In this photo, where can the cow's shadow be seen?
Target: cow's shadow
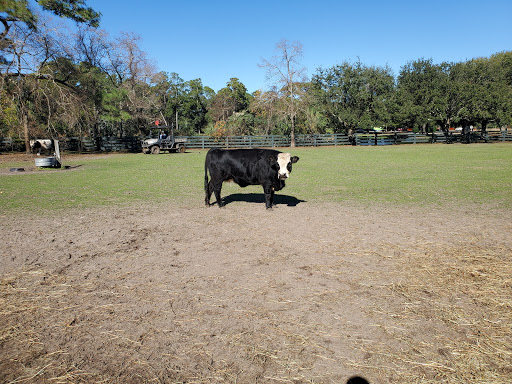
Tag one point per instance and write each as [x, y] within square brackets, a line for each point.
[259, 198]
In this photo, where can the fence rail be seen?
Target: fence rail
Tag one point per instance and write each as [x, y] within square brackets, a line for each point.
[267, 141]
[394, 138]
[133, 144]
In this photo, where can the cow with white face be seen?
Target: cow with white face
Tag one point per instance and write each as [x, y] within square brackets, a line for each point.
[40, 144]
[265, 167]
[285, 161]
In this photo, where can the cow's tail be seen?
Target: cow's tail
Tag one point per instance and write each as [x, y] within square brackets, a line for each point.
[206, 172]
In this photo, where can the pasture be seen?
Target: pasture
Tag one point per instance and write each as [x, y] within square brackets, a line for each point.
[433, 175]
[388, 263]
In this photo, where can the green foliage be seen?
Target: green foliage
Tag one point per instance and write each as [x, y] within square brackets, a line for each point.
[265, 108]
[240, 123]
[72, 9]
[8, 117]
[185, 104]
[477, 92]
[194, 107]
[484, 90]
[425, 93]
[355, 96]
[18, 9]
[114, 104]
[472, 176]
[229, 100]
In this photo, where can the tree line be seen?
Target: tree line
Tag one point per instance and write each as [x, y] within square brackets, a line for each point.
[63, 80]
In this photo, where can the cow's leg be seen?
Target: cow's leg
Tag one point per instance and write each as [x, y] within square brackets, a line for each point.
[216, 189]
[208, 193]
[269, 196]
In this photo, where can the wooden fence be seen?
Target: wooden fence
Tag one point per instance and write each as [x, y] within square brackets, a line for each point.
[271, 141]
[394, 138]
[133, 144]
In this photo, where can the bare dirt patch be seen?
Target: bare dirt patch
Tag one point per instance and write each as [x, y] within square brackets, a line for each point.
[26, 164]
[311, 293]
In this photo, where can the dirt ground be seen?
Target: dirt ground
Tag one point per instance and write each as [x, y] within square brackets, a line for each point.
[305, 293]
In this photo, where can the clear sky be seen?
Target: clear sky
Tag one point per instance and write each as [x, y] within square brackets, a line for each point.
[218, 40]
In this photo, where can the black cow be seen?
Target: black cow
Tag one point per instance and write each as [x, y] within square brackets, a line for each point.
[265, 167]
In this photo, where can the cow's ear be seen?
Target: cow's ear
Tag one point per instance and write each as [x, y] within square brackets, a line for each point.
[272, 159]
[294, 159]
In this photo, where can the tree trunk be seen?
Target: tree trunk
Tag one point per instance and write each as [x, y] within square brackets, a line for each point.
[25, 131]
[292, 134]
[445, 128]
[163, 118]
[484, 127]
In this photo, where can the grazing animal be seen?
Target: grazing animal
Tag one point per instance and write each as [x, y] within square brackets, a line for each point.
[265, 167]
[40, 144]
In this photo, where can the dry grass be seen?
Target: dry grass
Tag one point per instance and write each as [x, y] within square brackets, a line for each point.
[468, 289]
[22, 310]
[465, 290]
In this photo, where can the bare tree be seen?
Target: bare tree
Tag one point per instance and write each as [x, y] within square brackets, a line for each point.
[90, 46]
[140, 73]
[285, 71]
[64, 80]
[30, 52]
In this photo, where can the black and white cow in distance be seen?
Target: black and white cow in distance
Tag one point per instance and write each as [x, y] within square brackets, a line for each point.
[39, 144]
[265, 167]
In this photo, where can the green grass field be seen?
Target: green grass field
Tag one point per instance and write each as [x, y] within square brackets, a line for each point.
[477, 174]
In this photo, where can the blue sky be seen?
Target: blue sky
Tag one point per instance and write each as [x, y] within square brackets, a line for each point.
[218, 40]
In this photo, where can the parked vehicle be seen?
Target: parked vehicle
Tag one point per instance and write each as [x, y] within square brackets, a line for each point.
[159, 140]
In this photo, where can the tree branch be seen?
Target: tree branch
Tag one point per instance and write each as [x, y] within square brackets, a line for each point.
[43, 77]
[6, 26]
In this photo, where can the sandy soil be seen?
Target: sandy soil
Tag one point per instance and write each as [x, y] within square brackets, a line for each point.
[305, 293]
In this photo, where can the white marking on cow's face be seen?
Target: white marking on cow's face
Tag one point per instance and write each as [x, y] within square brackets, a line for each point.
[285, 164]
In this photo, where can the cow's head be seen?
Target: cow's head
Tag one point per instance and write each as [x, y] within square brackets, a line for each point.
[284, 163]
